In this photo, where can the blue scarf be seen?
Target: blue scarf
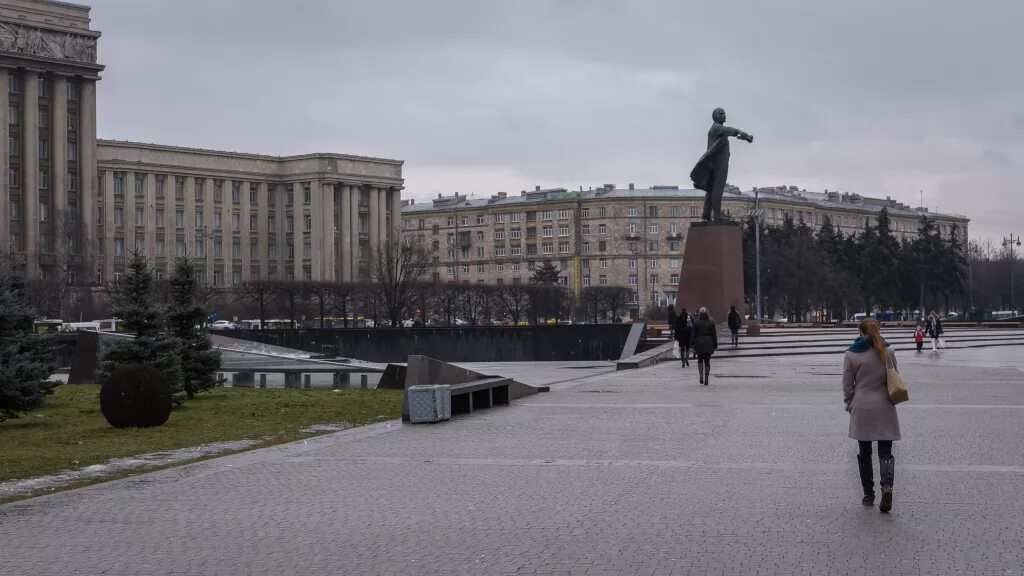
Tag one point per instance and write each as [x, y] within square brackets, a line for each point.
[862, 344]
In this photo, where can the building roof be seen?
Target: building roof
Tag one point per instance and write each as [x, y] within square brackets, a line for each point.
[822, 200]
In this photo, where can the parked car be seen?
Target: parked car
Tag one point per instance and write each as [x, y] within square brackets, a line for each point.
[223, 325]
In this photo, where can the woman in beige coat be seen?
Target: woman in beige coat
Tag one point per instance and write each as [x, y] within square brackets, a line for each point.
[872, 416]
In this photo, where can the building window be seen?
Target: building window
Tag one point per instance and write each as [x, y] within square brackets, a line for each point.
[307, 250]
[161, 247]
[218, 190]
[499, 251]
[236, 222]
[632, 261]
[272, 222]
[307, 194]
[602, 263]
[531, 249]
[674, 279]
[216, 220]
[200, 247]
[465, 220]
[179, 219]
[654, 263]
[517, 250]
[140, 186]
[548, 215]
[44, 149]
[563, 231]
[515, 217]
[118, 184]
[272, 251]
[291, 251]
[451, 270]
[199, 190]
[140, 244]
[118, 216]
[673, 245]
[653, 245]
[44, 179]
[73, 151]
[632, 211]
[13, 83]
[160, 179]
[585, 247]
[199, 219]
[140, 216]
[586, 281]
[236, 193]
[253, 223]
[652, 228]
[218, 277]
[632, 229]
[515, 234]
[547, 249]
[499, 234]
[653, 280]
[236, 249]
[548, 232]
[500, 267]
[218, 248]
[289, 195]
[118, 246]
[72, 90]
[236, 278]
[693, 212]
[563, 214]
[179, 188]
[563, 247]
[673, 211]
[307, 223]
[12, 178]
[602, 280]
[602, 228]
[44, 211]
[499, 218]
[585, 230]
[159, 217]
[632, 280]
[254, 195]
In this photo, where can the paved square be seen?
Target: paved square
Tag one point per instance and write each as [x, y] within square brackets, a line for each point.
[639, 472]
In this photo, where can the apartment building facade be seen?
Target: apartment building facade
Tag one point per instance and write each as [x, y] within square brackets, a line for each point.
[613, 237]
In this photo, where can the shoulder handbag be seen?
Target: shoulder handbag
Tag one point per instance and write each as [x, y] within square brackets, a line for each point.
[894, 381]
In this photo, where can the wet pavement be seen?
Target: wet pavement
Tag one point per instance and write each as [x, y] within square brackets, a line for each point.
[633, 472]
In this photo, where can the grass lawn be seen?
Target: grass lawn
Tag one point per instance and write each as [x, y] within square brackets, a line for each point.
[69, 431]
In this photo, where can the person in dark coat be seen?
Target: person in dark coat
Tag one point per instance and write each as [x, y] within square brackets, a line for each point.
[704, 338]
[682, 328]
[735, 322]
[873, 416]
[671, 316]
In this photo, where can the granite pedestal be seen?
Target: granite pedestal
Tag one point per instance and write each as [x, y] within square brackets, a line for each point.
[712, 272]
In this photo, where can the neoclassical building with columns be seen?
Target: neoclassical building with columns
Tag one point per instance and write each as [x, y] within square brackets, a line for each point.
[76, 207]
[245, 216]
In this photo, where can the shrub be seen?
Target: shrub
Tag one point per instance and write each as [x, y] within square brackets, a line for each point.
[136, 395]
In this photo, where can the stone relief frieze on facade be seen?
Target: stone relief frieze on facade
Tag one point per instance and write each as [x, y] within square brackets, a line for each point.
[47, 43]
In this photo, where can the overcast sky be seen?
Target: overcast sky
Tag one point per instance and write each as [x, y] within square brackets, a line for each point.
[477, 96]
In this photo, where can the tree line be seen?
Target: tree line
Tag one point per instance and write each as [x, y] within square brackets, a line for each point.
[828, 275]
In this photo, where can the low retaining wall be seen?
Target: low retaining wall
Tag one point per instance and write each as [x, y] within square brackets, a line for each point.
[471, 344]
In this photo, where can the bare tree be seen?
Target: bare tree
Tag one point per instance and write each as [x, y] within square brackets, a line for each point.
[289, 295]
[320, 294]
[514, 300]
[397, 269]
[345, 296]
[259, 293]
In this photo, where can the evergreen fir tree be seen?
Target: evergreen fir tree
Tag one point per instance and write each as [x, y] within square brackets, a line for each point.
[199, 361]
[546, 273]
[136, 305]
[25, 358]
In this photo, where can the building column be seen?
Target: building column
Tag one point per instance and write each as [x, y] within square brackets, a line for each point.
[5, 217]
[128, 186]
[108, 226]
[262, 234]
[30, 168]
[297, 230]
[149, 203]
[374, 221]
[382, 218]
[328, 235]
[353, 213]
[245, 234]
[59, 216]
[170, 229]
[87, 180]
[208, 207]
[396, 214]
[345, 249]
[190, 216]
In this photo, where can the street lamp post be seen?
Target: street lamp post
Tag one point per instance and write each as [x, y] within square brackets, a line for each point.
[1010, 243]
[756, 213]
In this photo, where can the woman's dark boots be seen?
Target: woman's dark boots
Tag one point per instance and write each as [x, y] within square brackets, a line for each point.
[867, 478]
[700, 370]
[707, 373]
[886, 472]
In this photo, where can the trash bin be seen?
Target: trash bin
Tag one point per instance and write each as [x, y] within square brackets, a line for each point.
[429, 403]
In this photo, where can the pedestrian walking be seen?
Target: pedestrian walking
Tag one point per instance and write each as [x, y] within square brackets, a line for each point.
[873, 416]
[704, 338]
[919, 336]
[735, 321]
[682, 328]
[939, 340]
[671, 316]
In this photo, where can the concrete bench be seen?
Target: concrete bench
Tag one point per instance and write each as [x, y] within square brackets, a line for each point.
[297, 377]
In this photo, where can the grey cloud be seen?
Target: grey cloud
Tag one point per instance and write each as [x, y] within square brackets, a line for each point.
[882, 98]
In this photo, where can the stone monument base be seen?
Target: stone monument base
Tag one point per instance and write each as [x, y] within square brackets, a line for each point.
[712, 273]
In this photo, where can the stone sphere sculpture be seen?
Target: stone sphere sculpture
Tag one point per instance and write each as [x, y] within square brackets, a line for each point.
[136, 395]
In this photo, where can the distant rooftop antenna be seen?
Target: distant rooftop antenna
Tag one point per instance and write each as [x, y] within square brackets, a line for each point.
[922, 199]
